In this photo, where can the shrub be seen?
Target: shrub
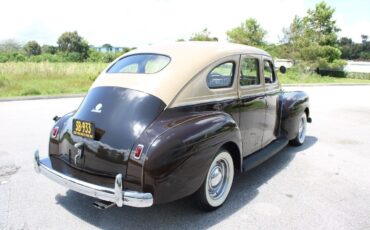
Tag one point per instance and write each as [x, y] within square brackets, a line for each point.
[31, 91]
[16, 57]
[46, 58]
[73, 57]
[3, 58]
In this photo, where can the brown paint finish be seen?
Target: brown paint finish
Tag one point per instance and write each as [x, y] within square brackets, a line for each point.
[179, 143]
[252, 122]
[181, 155]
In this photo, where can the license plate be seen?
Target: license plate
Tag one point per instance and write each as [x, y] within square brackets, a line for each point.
[83, 128]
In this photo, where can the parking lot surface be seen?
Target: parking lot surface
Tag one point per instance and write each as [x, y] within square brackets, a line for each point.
[324, 184]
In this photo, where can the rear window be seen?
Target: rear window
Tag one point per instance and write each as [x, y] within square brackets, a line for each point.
[140, 63]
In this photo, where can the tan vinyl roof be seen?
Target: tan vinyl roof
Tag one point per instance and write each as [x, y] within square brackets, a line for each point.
[187, 60]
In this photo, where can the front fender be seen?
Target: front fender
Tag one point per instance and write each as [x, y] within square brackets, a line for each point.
[294, 104]
[178, 159]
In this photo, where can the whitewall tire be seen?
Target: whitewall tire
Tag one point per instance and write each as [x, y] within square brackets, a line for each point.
[217, 184]
[301, 134]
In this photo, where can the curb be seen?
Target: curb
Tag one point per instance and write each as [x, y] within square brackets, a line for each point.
[43, 97]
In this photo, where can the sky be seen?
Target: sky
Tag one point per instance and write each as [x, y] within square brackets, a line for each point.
[141, 22]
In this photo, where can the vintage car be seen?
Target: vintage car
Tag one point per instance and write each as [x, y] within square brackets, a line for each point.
[167, 121]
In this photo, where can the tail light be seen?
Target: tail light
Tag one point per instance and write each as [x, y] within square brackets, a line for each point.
[55, 132]
[138, 151]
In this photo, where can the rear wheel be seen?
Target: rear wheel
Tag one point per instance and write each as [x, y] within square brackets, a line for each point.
[216, 187]
[301, 135]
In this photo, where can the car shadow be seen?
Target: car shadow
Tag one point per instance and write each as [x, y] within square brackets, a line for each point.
[182, 213]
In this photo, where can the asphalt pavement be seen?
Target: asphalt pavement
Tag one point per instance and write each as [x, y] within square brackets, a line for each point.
[324, 184]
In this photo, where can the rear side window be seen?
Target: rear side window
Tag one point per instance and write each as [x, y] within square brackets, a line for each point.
[221, 76]
[140, 63]
[268, 72]
[249, 72]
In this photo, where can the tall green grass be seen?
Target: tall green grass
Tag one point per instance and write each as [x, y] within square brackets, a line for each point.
[45, 78]
[26, 78]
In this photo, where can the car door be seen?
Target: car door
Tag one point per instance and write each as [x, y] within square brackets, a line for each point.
[252, 103]
[272, 92]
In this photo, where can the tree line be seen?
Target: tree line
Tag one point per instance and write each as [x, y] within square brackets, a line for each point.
[71, 47]
[311, 40]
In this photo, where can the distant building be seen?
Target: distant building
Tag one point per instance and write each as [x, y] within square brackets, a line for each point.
[108, 49]
[357, 67]
[287, 63]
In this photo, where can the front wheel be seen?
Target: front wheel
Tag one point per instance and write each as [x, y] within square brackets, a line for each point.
[216, 187]
[301, 135]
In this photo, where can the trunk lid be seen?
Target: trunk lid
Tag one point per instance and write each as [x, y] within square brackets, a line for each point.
[119, 116]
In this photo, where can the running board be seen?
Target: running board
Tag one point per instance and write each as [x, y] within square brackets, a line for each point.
[264, 154]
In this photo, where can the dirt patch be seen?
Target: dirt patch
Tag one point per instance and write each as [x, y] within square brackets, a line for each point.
[348, 142]
[8, 170]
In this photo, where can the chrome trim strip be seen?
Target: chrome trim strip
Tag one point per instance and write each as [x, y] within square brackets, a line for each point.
[117, 195]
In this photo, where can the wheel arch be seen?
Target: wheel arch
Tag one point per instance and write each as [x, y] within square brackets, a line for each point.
[235, 153]
[185, 151]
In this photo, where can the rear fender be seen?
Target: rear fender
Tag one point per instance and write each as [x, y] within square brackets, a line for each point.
[62, 124]
[177, 160]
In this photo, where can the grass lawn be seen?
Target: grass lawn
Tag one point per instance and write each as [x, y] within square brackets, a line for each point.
[297, 77]
[23, 79]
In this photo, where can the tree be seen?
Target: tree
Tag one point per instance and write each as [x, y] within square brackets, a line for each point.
[71, 42]
[293, 38]
[248, 33]
[365, 48]
[295, 30]
[352, 51]
[320, 26]
[10, 46]
[364, 38]
[204, 35]
[365, 42]
[313, 38]
[32, 48]
[47, 49]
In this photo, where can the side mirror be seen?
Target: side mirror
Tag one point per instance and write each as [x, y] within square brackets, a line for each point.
[56, 118]
[282, 69]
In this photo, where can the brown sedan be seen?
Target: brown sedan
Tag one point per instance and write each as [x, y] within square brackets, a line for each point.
[168, 121]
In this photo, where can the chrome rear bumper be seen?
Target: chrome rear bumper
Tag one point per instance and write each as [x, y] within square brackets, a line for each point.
[116, 195]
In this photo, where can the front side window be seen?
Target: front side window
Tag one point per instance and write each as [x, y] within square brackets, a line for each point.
[221, 76]
[249, 72]
[268, 72]
[140, 63]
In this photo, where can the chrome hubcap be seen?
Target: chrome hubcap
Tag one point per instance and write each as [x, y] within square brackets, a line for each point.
[217, 179]
[302, 129]
[216, 176]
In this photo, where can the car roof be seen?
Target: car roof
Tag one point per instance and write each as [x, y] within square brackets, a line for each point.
[187, 60]
[207, 49]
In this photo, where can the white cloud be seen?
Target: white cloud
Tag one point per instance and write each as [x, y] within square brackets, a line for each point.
[133, 23]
